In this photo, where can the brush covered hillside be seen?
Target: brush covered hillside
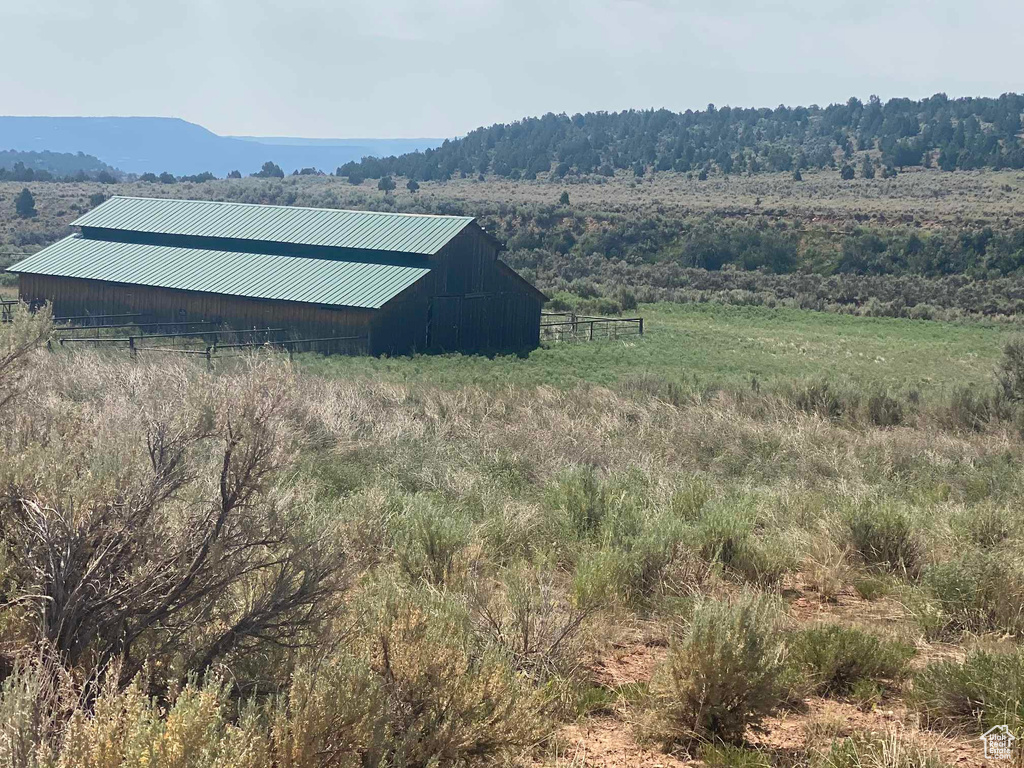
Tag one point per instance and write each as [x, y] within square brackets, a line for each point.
[949, 133]
[923, 244]
[46, 166]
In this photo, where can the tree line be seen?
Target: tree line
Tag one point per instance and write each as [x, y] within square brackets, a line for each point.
[938, 131]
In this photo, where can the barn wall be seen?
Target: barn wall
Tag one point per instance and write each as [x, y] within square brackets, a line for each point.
[470, 302]
[73, 297]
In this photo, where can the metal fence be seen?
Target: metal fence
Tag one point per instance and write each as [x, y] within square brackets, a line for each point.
[588, 328]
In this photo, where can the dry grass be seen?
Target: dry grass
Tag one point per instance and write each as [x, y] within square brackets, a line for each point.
[493, 546]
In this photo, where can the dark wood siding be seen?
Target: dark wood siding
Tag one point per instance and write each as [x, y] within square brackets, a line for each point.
[73, 297]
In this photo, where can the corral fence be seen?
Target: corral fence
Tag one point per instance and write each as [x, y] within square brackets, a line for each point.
[206, 339]
[567, 326]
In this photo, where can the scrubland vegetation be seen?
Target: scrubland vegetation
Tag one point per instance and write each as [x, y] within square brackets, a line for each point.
[925, 244]
[782, 528]
[381, 563]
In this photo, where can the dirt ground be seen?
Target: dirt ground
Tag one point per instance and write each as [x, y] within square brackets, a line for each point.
[609, 739]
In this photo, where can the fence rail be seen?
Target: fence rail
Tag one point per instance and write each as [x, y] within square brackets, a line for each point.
[588, 328]
[210, 350]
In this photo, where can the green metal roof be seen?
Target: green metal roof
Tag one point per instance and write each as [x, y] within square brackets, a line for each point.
[368, 230]
[250, 275]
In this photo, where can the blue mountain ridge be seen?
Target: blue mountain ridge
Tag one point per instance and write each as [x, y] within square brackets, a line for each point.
[156, 144]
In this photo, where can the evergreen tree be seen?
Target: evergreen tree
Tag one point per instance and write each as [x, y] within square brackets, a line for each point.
[413, 186]
[867, 169]
[947, 158]
[564, 199]
[25, 204]
[847, 172]
[270, 170]
[386, 184]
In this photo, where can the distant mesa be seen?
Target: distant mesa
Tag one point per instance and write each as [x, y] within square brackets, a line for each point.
[155, 144]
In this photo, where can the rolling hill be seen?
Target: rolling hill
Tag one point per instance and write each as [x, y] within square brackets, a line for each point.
[954, 134]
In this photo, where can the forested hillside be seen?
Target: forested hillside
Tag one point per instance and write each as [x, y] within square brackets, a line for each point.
[47, 166]
[953, 134]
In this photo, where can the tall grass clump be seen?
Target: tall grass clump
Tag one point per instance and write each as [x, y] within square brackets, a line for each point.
[429, 537]
[725, 671]
[977, 591]
[892, 749]
[883, 535]
[725, 535]
[983, 690]
[581, 498]
[836, 658]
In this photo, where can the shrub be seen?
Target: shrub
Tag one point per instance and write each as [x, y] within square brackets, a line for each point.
[977, 592]
[822, 399]
[428, 539]
[883, 535]
[971, 410]
[983, 690]
[726, 536]
[198, 728]
[725, 673]
[836, 658]
[413, 688]
[884, 410]
[535, 618]
[1010, 372]
[581, 498]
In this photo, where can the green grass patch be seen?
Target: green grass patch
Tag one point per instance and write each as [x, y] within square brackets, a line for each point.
[692, 346]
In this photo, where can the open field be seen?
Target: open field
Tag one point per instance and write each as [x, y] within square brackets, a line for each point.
[708, 344]
[450, 559]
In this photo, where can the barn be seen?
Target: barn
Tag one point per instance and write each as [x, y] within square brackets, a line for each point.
[397, 283]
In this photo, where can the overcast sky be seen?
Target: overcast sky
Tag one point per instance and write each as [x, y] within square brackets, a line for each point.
[411, 68]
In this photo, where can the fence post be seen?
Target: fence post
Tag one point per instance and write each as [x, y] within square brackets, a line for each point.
[131, 347]
[641, 326]
[591, 330]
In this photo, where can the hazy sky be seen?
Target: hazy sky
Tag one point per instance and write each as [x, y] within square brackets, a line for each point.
[395, 68]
